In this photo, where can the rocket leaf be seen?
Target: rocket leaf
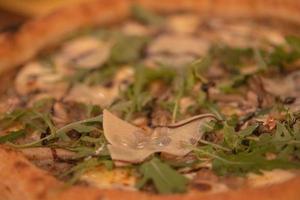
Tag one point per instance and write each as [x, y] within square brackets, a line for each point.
[165, 179]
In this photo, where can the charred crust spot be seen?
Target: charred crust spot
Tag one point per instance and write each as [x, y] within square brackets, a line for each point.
[20, 165]
[7, 188]
[203, 187]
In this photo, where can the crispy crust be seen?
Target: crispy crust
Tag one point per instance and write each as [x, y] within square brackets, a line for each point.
[37, 34]
[22, 180]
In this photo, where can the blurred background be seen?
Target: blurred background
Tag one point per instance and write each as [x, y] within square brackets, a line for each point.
[15, 12]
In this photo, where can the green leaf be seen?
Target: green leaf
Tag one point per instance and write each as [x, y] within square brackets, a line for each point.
[12, 136]
[294, 42]
[165, 179]
[248, 131]
[145, 16]
[81, 128]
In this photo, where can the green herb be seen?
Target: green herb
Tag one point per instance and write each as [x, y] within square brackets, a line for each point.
[80, 126]
[12, 136]
[145, 16]
[165, 179]
[242, 152]
[231, 57]
[294, 42]
[233, 83]
[281, 56]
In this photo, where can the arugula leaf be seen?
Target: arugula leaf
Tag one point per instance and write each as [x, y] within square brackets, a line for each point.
[244, 162]
[145, 16]
[231, 57]
[165, 179]
[294, 42]
[12, 136]
[241, 152]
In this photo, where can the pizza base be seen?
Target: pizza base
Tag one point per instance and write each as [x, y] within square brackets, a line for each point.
[20, 179]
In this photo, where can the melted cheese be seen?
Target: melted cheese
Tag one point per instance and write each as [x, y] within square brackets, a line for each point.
[117, 178]
[269, 178]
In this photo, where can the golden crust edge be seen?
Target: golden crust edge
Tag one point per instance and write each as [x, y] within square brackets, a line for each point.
[16, 48]
[21, 180]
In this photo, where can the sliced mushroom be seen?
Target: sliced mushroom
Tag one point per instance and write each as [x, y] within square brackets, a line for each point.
[136, 29]
[178, 44]
[35, 77]
[101, 95]
[85, 52]
[176, 49]
[132, 144]
[96, 95]
[288, 86]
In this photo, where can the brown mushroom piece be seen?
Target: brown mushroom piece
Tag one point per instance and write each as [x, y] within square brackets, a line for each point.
[132, 144]
[85, 52]
[43, 153]
[35, 77]
[176, 50]
[285, 87]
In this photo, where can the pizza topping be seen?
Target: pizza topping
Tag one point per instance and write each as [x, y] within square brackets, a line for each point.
[269, 178]
[165, 179]
[157, 78]
[86, 52]
[131, 144]
[95, 95]
[188, 47]
[183, 24]
[36, 77]
[120, 178]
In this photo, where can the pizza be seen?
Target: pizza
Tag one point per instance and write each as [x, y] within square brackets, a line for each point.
[170, 99]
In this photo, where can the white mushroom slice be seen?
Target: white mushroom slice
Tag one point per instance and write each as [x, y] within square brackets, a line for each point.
[36, 77]
[178, 44]
[176, 50]
[96, 95]
[136, 29]
[172, 60]
[183, 24]
[132, 144]
[99, 95]
[274, 37]
[86, 52]
[289, 86]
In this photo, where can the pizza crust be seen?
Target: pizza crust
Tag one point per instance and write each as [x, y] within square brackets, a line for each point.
[18, 47]
[22, 180]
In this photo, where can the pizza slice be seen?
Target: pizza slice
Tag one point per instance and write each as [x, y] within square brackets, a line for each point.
[152, 100]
